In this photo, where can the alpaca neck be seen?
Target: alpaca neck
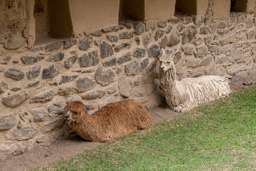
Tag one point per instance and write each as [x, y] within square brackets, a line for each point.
[168, 81]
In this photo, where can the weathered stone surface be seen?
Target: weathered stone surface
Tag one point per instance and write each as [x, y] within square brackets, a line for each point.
[11, 150]
[180, 27]
[14, 74]
[15, 61]
[88, 60]
[65, 78]
[126, 35]
[53, 46]
[197, 41]
[5, 60]
[124, 85]
[33, 84]
[122, 46]
[57, 108]
[233, 69]
[151, 25]
[250, 35]
[84, 84]
[109, 63]
[137, 80]
[222, 25]
[169, 29]
[3, 87]
[69, 43]
[139, 53]
[33, 72]
[188, 50]
[93, 94]
[7, 121]
[38, 114]
[119, 70]
[206, 61]
[85, 43]
[236, 56]
[174, 38]
[154, 51]
[57, 57]
[111, 29]
[29, 60]
[106, 50]
[159, 34]
[104, 77]
[14, 100]
[162, 24]
[221, 59]
[249, 21]
[42, 97]
[97, 33]
[1, 69]
[125, 58]
[146, 39]
[132, 68]
[43, 140]
[189, 34]
[230, 39]
[151, 66]
[193, 63]
[139, 28]
[212, 48]
[144, 64]
[177, 57]
[20, 134]
[51, 71]
[15, 88]
[112, 38]
[112, 89]
[50, 125]
[205, 30]
[201, 51]
[15, 42]
[70, 61]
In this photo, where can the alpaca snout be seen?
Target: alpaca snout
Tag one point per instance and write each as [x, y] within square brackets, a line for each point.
[68, 116]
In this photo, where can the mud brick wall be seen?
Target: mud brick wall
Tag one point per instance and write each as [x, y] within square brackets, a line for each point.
[109, 65]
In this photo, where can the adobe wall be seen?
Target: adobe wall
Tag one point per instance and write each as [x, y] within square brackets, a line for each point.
[111, 64]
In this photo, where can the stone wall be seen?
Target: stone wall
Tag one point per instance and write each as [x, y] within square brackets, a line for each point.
[111, 64]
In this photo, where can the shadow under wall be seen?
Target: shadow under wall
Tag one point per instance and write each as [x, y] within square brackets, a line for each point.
[132, 10]
[238, 5]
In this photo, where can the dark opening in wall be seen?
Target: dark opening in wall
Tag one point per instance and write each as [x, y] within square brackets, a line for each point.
[52, 20]
[185, 7]
[132, 10]
[238, 5]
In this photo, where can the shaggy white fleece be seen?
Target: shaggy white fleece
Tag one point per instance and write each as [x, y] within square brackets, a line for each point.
[188, 93]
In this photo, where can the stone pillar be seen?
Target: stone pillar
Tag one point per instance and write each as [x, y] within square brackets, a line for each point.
[89, 16]
[29, 32]
[221, 9]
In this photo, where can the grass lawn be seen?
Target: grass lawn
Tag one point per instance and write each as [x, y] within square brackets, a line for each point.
[216, 136]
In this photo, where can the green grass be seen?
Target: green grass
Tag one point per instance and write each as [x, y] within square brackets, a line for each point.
[216, 136]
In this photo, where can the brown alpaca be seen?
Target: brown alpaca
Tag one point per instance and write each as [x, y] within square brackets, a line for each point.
[111, 121]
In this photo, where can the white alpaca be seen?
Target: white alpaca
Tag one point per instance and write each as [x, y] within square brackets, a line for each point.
[188, 93]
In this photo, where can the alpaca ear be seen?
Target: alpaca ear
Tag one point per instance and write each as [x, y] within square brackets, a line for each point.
[89, 107]
[163, 52]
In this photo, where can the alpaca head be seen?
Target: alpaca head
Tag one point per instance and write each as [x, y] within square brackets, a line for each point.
[75, 109]
[166, 60]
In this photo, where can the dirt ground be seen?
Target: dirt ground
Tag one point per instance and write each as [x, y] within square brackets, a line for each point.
[62, 149]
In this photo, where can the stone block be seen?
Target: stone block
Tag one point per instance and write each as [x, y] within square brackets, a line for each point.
[39, 114]
[132, 68]
[42, 97]
[20, 134]
[85, 43]
[85, 84]
[104, 77]
[153, 51]
[57, 57]
[33, 72]
[93, 94]
[106, 50]
[7, 121]
[70, 61]
[29, 60]
[50, 72]
[14, 73]
[65, 78]
[14, 100]
[125, 58]
[124, 85]
[54, 46]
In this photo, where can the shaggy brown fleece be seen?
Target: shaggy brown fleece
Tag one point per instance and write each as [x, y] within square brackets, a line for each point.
[111, 121]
